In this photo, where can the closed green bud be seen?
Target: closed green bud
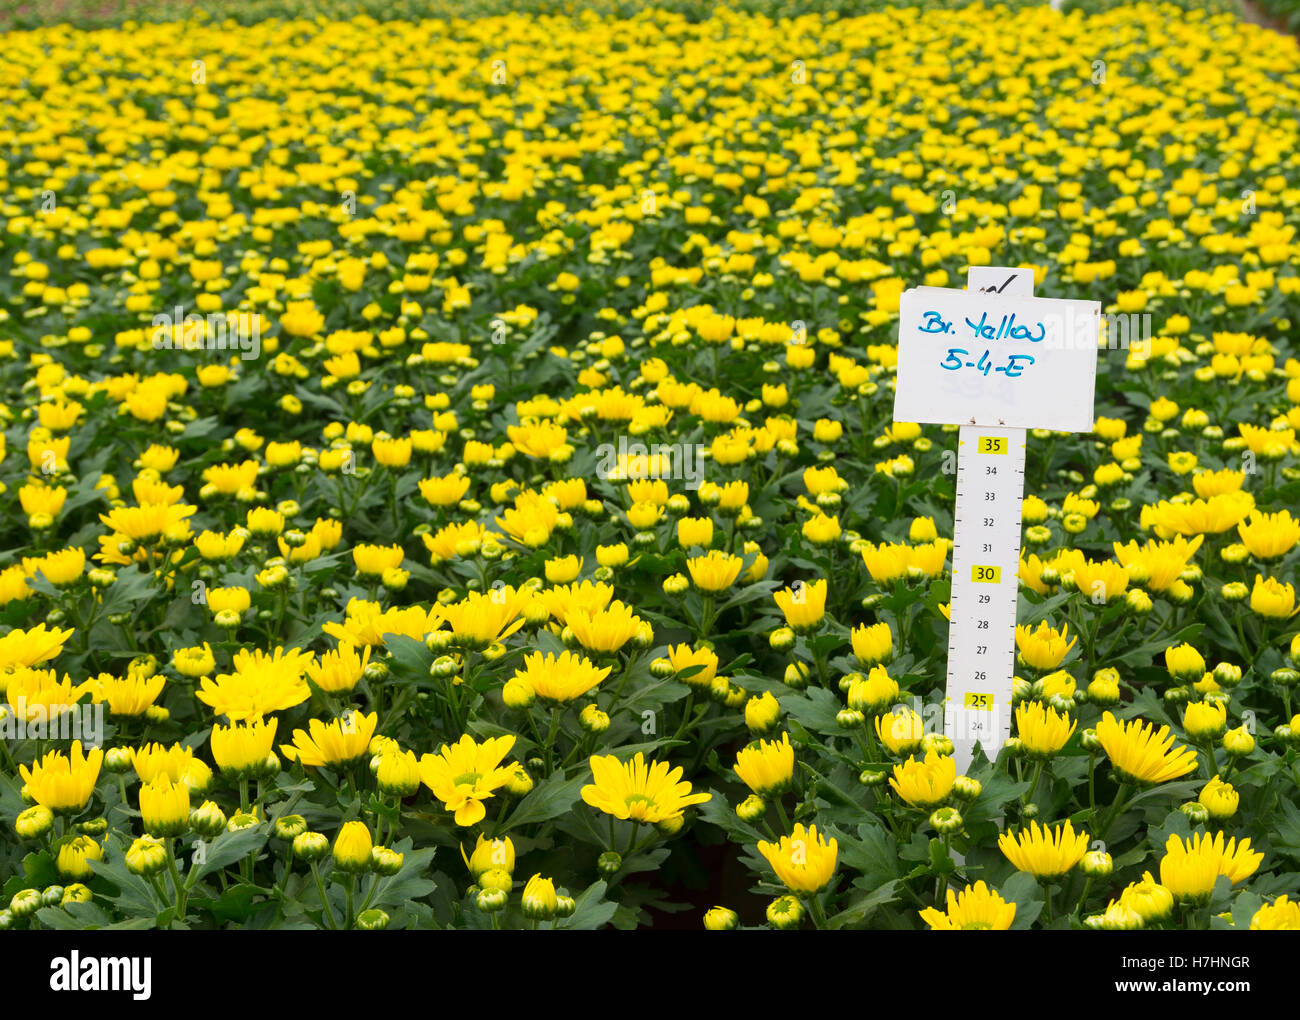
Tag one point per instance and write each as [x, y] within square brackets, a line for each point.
[936, 742]
[947, 821]
[1021, 690]
[496, 878]
[872, 777]
[785, 913]
[671, 826]
[1195, 812]
[491, 900]
[1139, 602]
[1097, 864]
[146, 856]
[1041, 534]
[385, 861]
[1227, 674]
[117, 760]
[593, 719]
[1285, 677]
[720, 919]
[781, 639]
[751, 809]
[797, 675]
[661, 669]
[1234, 591]
[1239, 742]
[310, 846]
[25, 902]
[967, 788]
[1090, 741]
[1177, 695]
[34, 822]
[565, 906]
[76, 893]
[848, 718]
[609, 863]
[1028, 811]
[289, 827]
[373, 919]
[1234, 553]
[208, 819]
[1061, 703]
[440, 640]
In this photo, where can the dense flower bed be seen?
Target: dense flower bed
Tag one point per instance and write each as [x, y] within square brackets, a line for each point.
[454, 462]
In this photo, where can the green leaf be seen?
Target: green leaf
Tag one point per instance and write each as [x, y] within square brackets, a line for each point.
[1024, 891]
[410, 883]
[861, 910]
[593, 910]
[551, 798]
[411, 659]
[76, 917]
[230, 847]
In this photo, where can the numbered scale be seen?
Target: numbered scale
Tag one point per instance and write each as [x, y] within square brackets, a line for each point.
[1038, 374]
[985, 563]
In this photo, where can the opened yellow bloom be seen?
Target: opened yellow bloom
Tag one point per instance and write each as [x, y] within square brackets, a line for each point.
[925, 784]
[1043, 852]
[715, 571]
[339, 742]
[1142, 754]
[900, 731]
[465, 774]
[242, 749]
[1042, 730]
[804, 861]
[975, 908]
[561, 678]
[766, 767]
[1272, 599]
[63, 782]
[804, 604]
[1043, 648]
[638, 790]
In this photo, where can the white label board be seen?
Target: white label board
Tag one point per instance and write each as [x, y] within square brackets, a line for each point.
[970, 357]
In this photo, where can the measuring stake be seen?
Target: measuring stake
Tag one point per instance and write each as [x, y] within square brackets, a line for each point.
[951, 342]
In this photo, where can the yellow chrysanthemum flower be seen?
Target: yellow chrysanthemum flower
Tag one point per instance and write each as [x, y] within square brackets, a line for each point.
[639, 791]
[63, 782]
[975, 908]
[925, 784]
[767, 766]
[464, 774]
[1141, 754]
[559, 679]
[1043, 852]
[339, 742]
[804, 861]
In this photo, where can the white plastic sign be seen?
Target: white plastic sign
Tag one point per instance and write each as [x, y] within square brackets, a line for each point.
[997, 358]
